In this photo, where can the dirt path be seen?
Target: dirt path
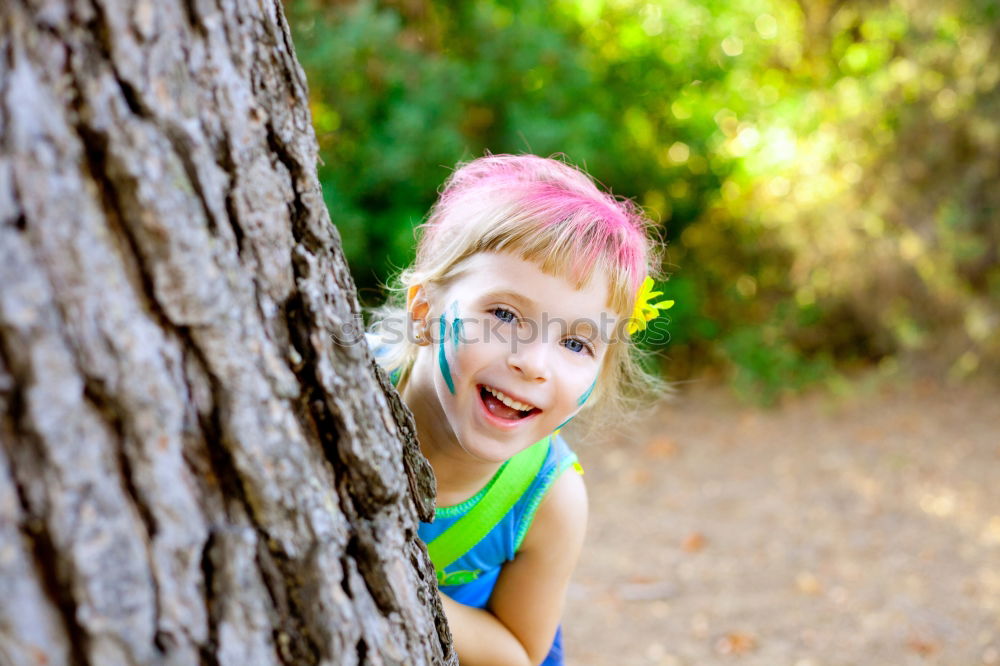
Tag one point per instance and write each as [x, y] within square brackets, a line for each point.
[852, 531]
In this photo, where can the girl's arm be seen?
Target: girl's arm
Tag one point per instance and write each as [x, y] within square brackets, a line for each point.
[528, 599]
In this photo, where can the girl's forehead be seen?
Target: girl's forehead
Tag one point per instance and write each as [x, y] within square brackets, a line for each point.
[503, 274]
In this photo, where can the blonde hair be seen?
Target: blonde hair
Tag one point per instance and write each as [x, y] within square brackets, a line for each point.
[548, 212]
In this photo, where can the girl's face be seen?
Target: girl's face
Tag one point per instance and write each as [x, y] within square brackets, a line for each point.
[514, 353]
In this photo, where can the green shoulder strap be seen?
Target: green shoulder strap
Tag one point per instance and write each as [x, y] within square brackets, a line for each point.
[511, 483]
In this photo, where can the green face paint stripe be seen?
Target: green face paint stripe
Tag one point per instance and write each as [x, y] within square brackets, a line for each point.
[443, 360]
[583, 398]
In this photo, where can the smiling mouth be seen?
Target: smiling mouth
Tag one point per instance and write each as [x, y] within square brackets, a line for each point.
[503, 406]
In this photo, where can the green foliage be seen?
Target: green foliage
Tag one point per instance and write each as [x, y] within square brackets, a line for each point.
[880, 187]
[824, 172]
[398, 100]
[766, 365]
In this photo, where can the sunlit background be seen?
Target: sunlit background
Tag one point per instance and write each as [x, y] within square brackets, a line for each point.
[825, 172]
[827, 176]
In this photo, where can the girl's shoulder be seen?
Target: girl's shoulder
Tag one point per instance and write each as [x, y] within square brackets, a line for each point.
[559, 458]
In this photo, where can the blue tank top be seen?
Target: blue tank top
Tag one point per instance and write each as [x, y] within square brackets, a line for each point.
[476, 572]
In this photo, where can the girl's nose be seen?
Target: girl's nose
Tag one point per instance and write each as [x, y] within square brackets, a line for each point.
[529, 359]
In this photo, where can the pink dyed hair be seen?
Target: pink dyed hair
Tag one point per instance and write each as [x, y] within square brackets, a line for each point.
[542, 210]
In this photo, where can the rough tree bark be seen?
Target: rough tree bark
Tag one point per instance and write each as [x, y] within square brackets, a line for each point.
[193, 468]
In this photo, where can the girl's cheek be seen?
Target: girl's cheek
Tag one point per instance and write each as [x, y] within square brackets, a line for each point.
[444, 365]
[457, 326]
[586, 394]
[486, 331]
[471, 333]
[451, 337]
[580, 402]
[477, 347]
[459, 338]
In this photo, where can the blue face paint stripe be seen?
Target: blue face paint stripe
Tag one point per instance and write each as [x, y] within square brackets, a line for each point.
[456, 326]
[579, 403]
[443, 359]
[565, 422]
[583, 398]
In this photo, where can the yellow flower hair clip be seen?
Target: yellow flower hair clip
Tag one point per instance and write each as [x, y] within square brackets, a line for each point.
[645, 311]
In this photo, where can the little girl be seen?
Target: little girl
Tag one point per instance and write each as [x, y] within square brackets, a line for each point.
[527, 284]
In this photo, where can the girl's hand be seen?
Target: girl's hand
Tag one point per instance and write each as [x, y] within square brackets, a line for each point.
[529, 596]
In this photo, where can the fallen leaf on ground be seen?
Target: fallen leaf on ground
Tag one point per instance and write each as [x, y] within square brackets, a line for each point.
[921, 646]
[661, 447]
[641, 476]
[735, 643]
[807, 583]
[694, 542]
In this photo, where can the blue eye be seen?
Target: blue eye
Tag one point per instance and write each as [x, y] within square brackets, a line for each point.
[504, 315]
[575, 345]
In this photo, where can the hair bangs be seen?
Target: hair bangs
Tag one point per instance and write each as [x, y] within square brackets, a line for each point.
[571, 233]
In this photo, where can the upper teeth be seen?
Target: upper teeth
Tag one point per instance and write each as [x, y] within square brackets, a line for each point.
[510, 402]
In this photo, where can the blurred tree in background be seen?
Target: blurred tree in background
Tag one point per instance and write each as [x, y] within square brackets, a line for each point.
[827, 172]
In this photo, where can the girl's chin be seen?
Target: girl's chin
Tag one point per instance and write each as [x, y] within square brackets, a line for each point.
[498, 449]
[486, 457]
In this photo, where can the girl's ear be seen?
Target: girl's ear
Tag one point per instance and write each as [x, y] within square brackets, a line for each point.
[417, 305]
[418, 310]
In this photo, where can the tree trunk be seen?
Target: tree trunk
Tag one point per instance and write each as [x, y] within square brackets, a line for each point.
[194, 468]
